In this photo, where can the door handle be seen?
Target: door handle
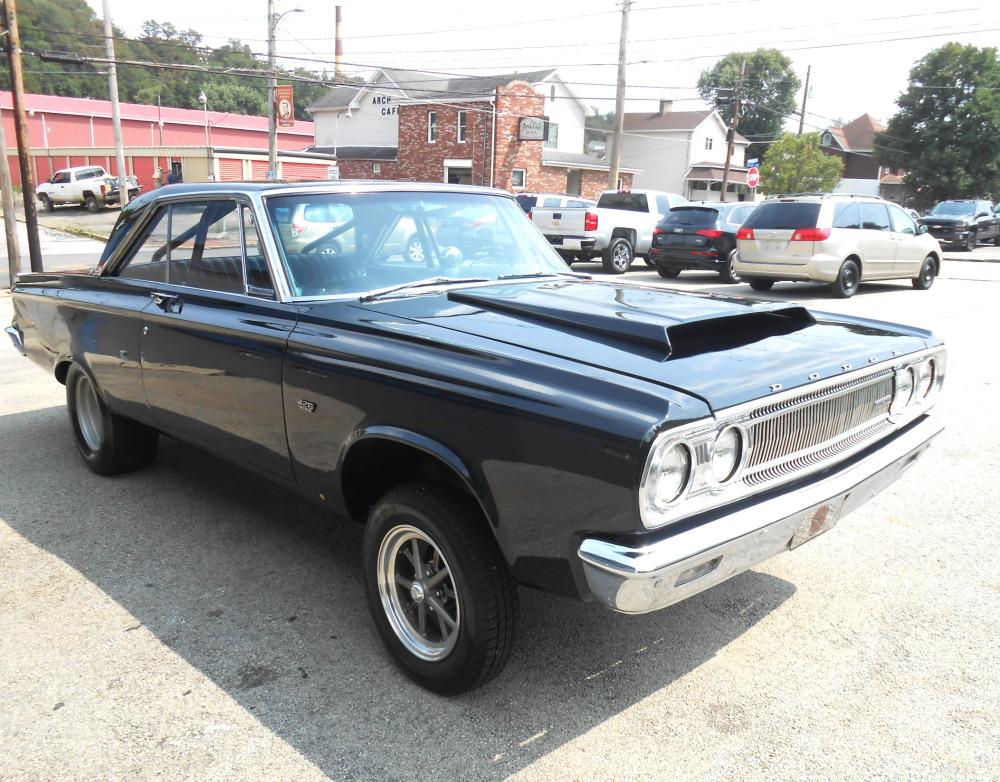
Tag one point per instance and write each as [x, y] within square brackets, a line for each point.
[168, 302]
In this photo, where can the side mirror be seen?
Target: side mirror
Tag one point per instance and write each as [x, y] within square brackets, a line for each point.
[922, 229]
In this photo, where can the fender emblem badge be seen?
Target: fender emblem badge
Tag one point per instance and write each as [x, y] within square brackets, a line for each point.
[309, 407]
[776, 387]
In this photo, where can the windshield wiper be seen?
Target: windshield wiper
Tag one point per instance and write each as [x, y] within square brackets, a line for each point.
[441, 280]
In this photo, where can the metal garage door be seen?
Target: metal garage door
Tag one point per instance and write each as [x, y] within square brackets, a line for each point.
[300, 171]
[144, 168]
[230, 169]
[259, 169]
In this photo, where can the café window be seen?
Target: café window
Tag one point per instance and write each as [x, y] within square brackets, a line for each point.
[463, 126]
[552, 139]
[432, 127]
[518, 177]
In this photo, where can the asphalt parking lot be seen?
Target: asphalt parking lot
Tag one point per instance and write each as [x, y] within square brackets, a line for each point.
[191, 622]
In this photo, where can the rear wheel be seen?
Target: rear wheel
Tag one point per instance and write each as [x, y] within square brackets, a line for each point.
[668, 274]
[46, 203]
[415, 250]
[971, 241]
[90, 202]
[846, 284]
[107, 442]
[438, 589]
[760, 284]
[618, 257]
[928, 271]
[728, 272]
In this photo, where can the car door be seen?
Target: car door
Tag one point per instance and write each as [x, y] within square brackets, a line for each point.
[59, 184]
[910, 251]
[877, 243]
[988, 227]
[212, 352]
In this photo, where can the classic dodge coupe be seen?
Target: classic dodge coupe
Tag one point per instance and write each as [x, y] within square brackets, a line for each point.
[491, 417]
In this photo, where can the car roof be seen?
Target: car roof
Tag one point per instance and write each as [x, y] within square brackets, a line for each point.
[79, 168]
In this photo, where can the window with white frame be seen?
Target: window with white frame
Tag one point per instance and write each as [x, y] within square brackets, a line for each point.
[708, 142]
[518, 177]
[552, 139]
[376, 168]
[463, 126]
[432, 127]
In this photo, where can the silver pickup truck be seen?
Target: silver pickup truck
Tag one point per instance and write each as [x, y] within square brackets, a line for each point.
[616, 230]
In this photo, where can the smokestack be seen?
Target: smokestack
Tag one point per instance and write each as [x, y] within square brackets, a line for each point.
[665, 106]
[339, 48]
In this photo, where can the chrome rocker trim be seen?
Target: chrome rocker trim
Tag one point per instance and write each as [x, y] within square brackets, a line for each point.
[15, 336]
[639, 579]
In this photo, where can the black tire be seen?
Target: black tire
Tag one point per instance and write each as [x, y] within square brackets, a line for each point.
[928, 271]
[90, 202]
[759, 283]
[848, 279]
[618, 256]
[485, 603]
[567, 257]
[46, 203]
[121, 445]
[971, 242]
[728, 273]
[668, 274]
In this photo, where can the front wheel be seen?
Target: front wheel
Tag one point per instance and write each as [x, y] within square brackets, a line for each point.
[971, 241]
[108, 443]
[438, 589]
[760, 284]
[996, 240]
[846, 284]
[46, 203]
[928, 271]
[618, 256]
[728, 272]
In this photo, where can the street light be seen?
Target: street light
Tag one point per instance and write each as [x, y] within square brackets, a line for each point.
[273, 20]
[203, 100]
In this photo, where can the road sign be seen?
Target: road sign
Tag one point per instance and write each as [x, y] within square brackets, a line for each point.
[752, 162]
[753, 178]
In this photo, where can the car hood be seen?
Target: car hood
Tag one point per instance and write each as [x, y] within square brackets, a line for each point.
[930, 220]
[723, 349]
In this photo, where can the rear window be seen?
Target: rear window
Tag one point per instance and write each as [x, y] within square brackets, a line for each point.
[784, 215]
[629, 202]
[700, 218]
[739, 215]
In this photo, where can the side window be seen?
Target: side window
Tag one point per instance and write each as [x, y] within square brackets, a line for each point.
[577, 204]
[875, 217]
[662, 204]
[148, 259]
[205, 249]
[902, 223]
[551, 203]
[847, 215]
[60, 178]
[258, 275]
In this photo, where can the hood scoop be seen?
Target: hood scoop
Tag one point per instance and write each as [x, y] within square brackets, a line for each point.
[671, 334]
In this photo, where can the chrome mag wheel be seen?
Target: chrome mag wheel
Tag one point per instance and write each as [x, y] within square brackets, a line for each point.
[620, 256]
[88, 414]
[418, 593]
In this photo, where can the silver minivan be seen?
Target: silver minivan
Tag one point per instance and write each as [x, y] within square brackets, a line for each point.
[841, 240]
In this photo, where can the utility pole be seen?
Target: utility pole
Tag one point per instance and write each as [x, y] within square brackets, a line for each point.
[272, 88]
[616, 143]
[21, 131]
[116, 117]
[737, 108]
[805, 96]
[9, 215]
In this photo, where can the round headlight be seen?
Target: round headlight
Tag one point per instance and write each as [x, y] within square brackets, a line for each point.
[924, 378]
[904, 390]
[726, 454]
[669, 473]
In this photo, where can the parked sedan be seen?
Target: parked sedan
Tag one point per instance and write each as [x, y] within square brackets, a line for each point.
[489, 416]
[963, 223]
[699, 236]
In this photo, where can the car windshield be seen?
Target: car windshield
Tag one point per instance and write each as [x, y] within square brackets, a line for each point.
[784, 215]
[372, 241]
[954, 209]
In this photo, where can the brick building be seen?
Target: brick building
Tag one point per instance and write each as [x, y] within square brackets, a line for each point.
[410, 126]
[854, 143]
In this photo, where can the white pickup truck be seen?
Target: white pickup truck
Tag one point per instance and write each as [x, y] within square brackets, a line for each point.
[89, 186]
[616, 230]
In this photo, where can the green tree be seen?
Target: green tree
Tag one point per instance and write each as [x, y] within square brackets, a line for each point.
[769, 92]
[797, 164]
[946, 134]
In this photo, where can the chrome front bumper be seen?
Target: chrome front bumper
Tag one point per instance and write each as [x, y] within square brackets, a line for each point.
[639, 579]
[15, 336]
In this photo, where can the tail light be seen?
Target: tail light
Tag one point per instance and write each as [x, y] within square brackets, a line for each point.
[745, 233]
[811, 235]
[711, 233]
[590, 222]
[298, 229]
[657, 231]
[531, 216]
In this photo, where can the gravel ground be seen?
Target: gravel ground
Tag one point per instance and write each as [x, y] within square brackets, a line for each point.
[190, 622]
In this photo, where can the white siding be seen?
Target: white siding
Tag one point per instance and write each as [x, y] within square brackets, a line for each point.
[662, 158]
[567, 113]
[374, 123]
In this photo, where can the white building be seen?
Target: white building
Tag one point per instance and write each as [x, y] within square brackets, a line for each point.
[684, 152]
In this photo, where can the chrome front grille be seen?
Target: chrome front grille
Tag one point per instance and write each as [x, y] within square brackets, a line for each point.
[805, 430]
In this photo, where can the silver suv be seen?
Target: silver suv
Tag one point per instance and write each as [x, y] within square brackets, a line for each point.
[841, 240]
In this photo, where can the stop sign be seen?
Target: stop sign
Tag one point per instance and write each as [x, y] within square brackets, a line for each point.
[753, 177]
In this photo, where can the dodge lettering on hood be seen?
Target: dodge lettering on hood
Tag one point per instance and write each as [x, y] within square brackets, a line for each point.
[418, 358]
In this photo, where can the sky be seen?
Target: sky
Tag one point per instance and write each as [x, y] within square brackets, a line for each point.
[860, 51]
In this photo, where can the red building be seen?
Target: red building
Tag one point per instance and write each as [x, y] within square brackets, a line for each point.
[65, 132]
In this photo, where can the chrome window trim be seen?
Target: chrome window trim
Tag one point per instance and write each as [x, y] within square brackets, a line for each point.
[705, 494]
